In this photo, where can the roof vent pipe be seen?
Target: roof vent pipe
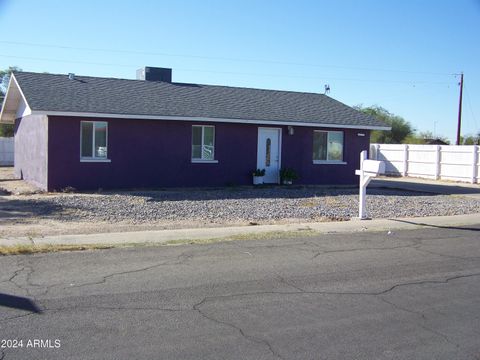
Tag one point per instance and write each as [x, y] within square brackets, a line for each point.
[71, 76]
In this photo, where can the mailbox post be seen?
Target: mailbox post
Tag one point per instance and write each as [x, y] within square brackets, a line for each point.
[368, 170]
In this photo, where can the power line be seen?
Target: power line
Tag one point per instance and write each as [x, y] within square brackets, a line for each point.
[318, 77]
[413, 83]
[64, 61]
[136, 52]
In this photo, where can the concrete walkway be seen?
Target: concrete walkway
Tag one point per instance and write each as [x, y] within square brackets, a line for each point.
[428, 186]
[245, 232]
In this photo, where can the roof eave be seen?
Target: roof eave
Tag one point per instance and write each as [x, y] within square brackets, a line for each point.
[11, 102]
[208, 119]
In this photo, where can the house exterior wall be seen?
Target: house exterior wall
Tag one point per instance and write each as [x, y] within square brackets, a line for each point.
[151, 153]
[297, 153]
[30, 155]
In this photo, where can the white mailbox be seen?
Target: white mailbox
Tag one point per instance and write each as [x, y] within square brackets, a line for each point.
[368, 170]
[374, 166]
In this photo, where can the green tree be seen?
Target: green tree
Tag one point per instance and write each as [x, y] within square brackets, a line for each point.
[401, 128]
[423, 137]
[470, 139]
[414, 139]
[5, 77]
[5, 129]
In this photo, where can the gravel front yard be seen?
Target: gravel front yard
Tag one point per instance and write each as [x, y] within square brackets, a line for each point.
[262, 205]
[27, 213]
[244, 205]
[42, 214]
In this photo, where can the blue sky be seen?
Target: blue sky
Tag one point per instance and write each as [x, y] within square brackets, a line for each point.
[397, 54]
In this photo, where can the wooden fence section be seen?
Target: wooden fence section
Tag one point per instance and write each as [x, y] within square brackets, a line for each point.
[447, 162]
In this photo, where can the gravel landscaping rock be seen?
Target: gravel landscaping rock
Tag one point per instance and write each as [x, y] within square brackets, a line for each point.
[253, 205]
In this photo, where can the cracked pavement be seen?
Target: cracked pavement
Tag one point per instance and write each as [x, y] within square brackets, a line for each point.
[406, 295]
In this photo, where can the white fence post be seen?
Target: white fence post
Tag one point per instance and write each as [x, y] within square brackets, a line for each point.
[405, 160]
[474, 163]
[437, 162]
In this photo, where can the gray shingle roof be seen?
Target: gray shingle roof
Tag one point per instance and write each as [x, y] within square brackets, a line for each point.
[51, 92]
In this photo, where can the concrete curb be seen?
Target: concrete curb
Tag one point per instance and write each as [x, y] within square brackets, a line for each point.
[164, 236]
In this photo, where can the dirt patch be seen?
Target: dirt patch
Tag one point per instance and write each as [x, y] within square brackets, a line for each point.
[9, 184]
[38, 227]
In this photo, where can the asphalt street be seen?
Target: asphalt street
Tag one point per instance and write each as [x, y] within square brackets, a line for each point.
[410, 294]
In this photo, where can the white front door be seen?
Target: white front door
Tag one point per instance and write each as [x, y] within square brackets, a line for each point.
[268, 154]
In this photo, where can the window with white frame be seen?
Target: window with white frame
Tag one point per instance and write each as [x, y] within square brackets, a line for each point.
[203, 143]
[327, 146]
[93, 140]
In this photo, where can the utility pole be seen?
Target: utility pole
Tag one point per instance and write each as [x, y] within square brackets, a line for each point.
[460, 110]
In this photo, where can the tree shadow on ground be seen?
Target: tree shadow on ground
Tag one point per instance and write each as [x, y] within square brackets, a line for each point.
[18, 209]
[19, 302]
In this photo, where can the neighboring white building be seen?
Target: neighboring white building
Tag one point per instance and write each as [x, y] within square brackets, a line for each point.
[6, 151]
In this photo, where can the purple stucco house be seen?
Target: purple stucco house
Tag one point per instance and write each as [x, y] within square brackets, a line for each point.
[90, 132]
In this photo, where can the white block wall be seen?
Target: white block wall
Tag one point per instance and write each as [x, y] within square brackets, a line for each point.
[6, 151]
[448, 162]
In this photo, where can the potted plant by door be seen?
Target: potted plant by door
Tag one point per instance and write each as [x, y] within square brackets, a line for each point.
[258, 176]
[287, 176]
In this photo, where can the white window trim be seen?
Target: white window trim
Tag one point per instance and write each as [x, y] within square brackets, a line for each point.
[97, 160]
[201, 160]
[198, 161]
[94, 158]
[328, 162]
[331, 162]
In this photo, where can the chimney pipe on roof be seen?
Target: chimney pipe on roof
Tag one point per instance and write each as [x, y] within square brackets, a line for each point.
[150, 73]
[71, 76]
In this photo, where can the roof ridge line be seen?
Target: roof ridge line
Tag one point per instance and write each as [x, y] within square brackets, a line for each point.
[175, 82]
